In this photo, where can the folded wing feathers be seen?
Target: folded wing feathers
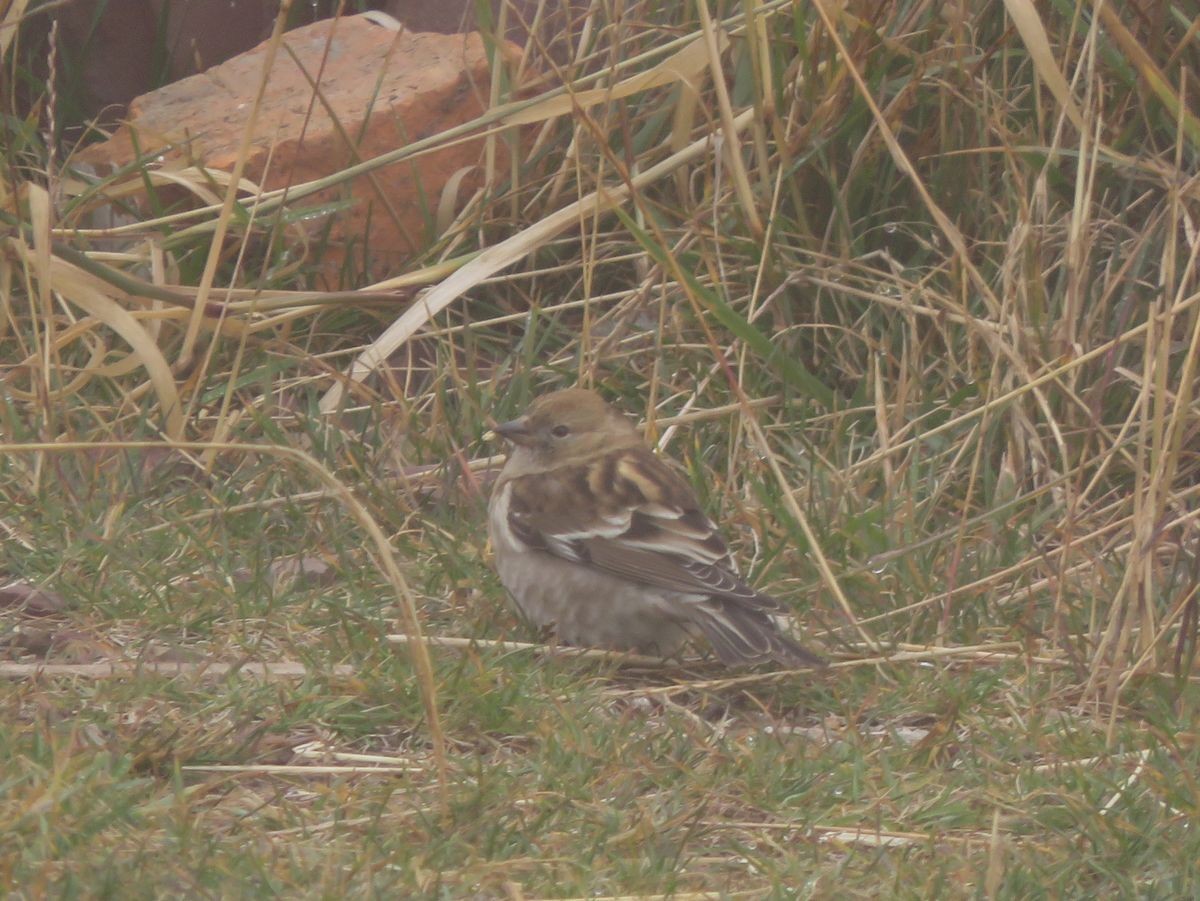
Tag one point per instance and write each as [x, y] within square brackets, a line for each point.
[742, 634]
[648, 528]
[651, 531]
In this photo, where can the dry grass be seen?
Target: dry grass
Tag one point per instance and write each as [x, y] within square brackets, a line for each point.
[912, 293]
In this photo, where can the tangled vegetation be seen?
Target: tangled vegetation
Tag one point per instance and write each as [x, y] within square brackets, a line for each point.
[911, 289]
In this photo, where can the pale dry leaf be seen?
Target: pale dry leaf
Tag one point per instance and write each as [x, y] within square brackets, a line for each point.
[1029, 25]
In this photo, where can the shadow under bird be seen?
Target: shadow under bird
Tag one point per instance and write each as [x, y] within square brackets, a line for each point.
[602, 541]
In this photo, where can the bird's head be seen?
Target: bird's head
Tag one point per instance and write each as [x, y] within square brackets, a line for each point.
[564, 427]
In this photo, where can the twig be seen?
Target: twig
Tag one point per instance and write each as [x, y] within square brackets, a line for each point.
[284, 669]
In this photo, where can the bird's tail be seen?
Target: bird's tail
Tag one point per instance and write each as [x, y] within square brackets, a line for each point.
[743, 635]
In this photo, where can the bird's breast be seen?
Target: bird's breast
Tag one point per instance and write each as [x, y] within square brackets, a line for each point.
[499, 530]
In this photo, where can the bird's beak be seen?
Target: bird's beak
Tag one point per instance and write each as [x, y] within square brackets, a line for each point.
[515, 430]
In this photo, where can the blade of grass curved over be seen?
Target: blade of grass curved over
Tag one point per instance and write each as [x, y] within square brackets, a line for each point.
[82, 290]
[78, 289]
[1033, 34]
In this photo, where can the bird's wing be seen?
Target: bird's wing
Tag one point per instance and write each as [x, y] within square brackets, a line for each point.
[628, 514]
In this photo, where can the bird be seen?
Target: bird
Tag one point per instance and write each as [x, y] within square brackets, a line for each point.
[601, 541]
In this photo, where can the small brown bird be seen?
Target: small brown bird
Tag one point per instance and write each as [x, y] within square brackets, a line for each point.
[598, 538]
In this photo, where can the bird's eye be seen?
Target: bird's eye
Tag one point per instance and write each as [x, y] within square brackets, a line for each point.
[560, 431]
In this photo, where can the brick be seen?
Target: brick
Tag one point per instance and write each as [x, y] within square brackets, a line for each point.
[387, 89]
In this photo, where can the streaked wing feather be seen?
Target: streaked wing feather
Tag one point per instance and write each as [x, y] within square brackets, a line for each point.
[741, 634]
[645, 526]
[630, 515]
[666, 569]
